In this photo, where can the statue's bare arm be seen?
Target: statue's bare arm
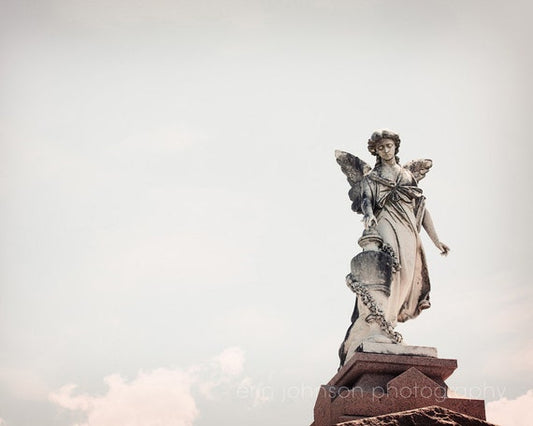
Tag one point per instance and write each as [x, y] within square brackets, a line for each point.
[428, 225]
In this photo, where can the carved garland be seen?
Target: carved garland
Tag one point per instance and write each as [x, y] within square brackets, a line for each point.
[376, 314]
[387, 249]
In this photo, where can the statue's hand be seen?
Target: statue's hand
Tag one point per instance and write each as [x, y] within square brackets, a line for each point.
[370, 221]
[444, 249]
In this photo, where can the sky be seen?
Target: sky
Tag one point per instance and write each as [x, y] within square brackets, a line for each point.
[176, 231]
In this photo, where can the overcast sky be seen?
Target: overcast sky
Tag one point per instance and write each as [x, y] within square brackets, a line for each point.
[176, 231]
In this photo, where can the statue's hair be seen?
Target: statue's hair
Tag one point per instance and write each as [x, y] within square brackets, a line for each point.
[378, 136]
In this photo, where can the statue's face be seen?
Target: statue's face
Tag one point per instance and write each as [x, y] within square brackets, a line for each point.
[386, 149]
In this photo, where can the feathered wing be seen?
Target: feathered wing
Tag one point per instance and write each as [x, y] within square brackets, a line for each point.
[355, 169]
[419, 168]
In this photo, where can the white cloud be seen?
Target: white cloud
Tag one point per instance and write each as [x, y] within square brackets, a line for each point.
[258, 393]
[160, 397]
[512, 412]
[157, 398]
[215, 376]
[231, 361]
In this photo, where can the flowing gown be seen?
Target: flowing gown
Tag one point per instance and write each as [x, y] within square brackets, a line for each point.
[399, 210]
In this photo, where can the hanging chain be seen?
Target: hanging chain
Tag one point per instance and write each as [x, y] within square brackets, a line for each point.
[376, 313]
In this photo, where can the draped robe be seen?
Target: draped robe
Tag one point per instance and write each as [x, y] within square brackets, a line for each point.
[399, 210]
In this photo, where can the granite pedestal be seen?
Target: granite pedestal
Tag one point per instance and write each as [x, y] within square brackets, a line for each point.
[374, 384]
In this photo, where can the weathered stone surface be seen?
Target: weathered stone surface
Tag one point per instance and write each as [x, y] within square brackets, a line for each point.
[390, 277]
[371, 363]
[422, 416]
[371, 385]
[373, 269]
[412, 376]
[397, 349]
[379, 376]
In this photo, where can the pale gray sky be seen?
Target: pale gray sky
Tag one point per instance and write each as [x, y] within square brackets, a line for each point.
[172, 212]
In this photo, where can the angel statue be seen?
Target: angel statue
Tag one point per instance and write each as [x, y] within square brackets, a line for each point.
[390, 276]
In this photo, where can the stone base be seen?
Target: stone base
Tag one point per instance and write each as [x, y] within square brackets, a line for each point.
[374, 384]
[397, 349]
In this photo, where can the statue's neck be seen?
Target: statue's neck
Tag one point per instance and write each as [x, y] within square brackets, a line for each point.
[389, 171]
[390, 163]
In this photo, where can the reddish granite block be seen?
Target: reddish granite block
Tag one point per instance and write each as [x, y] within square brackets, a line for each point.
[371, 384]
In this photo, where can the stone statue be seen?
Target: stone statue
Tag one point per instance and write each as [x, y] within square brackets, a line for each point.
[390, 276]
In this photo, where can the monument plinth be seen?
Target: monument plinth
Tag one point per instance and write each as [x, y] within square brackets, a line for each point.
[375, 384]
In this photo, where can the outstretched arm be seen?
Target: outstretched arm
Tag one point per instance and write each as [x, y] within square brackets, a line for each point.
[427, 223]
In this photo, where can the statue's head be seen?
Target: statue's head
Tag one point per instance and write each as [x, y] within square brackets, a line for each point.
[379, 137]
